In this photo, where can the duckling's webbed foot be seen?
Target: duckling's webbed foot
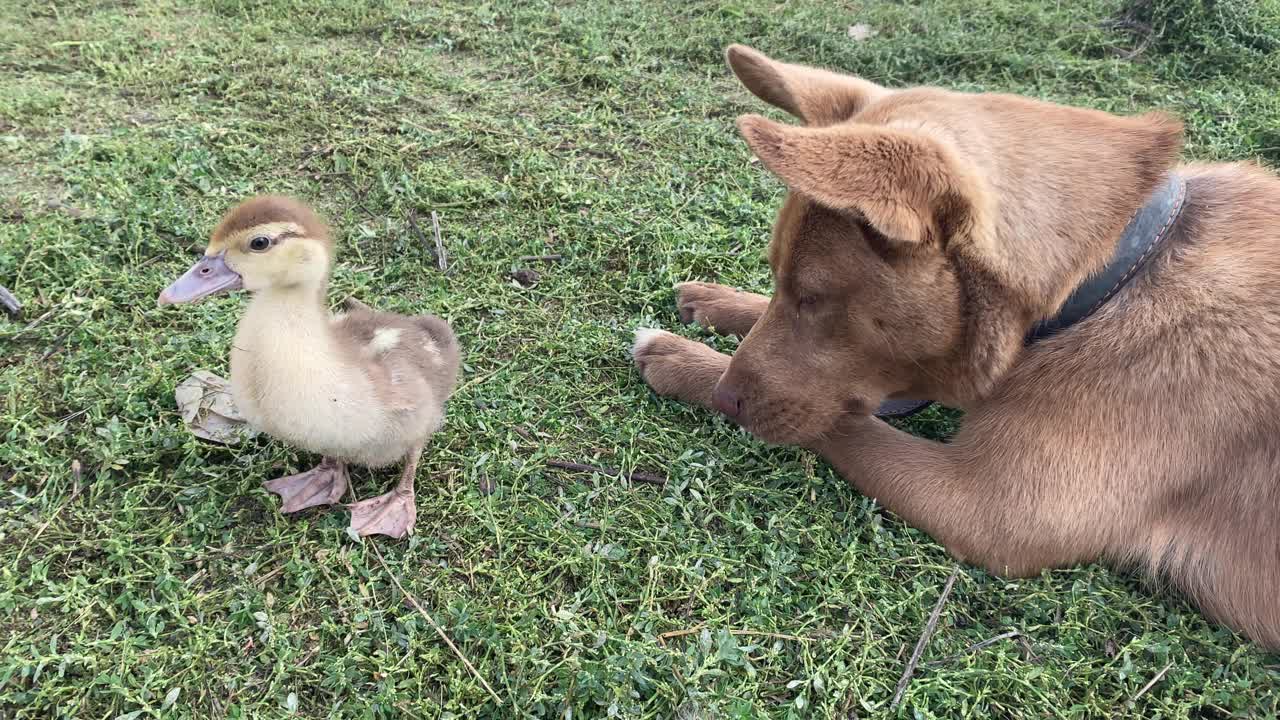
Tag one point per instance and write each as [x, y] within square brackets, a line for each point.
[392, 514]
[323, 484]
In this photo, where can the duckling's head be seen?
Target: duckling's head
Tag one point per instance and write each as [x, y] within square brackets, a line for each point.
[267, 242]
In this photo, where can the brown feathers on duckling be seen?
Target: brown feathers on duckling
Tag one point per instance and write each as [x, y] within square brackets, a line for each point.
[363, 386]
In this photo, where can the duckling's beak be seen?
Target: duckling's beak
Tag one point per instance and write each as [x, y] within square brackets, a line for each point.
[210, 276]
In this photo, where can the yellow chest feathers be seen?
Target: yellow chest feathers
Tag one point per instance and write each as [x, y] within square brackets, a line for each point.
[290, 382]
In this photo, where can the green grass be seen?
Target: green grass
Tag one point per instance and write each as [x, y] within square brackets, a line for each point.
[162, 582]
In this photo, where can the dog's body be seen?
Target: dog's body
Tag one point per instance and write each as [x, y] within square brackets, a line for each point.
[925, 233]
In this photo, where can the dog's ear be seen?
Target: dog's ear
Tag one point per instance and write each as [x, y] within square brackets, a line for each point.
[909, 187]
[818, 97]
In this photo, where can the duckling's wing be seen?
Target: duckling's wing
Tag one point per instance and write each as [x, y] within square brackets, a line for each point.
[442, 337]
[358, 324]
[353, 305]
[412, 361]
[401, 389]
[392, 351]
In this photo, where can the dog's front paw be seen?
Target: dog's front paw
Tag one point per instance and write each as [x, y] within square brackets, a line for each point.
[677, 367]
[657, 355]
[696, 301]
[718, 307]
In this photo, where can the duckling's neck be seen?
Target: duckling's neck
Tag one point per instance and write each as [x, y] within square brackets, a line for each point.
[299, 302]
[290, 319]
[289, 371]
[283, 353]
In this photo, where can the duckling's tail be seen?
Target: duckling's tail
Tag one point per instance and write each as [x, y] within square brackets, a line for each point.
[446, 342]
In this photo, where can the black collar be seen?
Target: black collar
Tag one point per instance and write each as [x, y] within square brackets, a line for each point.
[1145, 233]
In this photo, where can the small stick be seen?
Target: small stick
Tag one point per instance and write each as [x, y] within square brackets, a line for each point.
[359, 195]
[75, 472]
[34, 324]
[752, 633]
[1149, 685]
[458, 204]
[151, 259]
[545, 258]
[11, 304]
[663, 637]
[401, 707]
[439, 632]
[772, 636]
[640, 477]
[929, 629]
[261, 580]
[74, 494]
[974, 648]
[57, 343]
[1029, 653]
[413, 225]
[440, 256]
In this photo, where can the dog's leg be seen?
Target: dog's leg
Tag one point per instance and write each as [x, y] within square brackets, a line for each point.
[980, 511]
[967, 498]
[678, 367]
[719, 308]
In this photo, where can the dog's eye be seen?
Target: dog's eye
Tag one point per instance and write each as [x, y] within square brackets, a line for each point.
[260, 243]
[808, 301]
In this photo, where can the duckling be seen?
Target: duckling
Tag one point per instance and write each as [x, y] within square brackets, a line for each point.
[361, 387]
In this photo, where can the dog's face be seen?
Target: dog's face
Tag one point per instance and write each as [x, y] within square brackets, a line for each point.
[865, 299]
[923, 233]
[855, 317]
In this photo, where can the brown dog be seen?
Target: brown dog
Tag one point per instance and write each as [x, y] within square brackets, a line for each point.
[924, 234]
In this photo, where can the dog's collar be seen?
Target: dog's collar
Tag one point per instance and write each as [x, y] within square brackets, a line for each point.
[1146, 232]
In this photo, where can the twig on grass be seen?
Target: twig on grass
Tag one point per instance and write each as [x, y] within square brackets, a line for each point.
[1150, 684]
[440, 632]
[481, 378]
[663, 637]
[929, 629]
[58, 342]
[417, 230]
[75, 469]
[262, 580]
[640, 477]
[404, 709]
[359, 195]
[33, 324]
[441, 259]
[974, 648]
[152, 260]
[544, 258]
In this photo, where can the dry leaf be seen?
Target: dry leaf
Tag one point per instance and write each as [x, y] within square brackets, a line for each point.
[860, 32]
[525, 277]
[205, 403]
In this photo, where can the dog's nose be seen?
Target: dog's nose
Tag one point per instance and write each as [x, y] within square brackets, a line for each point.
[726, 400]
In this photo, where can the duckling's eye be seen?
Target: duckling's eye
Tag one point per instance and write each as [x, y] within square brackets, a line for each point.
[260, 243]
